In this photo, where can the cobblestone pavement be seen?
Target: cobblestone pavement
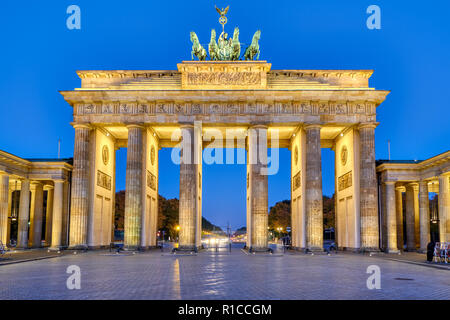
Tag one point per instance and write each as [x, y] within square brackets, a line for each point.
[15, 256]
[208, 275]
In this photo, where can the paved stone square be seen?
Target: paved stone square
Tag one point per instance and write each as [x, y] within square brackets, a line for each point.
[210, 275]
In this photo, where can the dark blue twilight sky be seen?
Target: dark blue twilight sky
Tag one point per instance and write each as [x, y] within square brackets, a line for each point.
[410, 56]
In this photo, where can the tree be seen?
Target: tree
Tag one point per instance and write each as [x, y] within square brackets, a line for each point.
[167, 215]
[280, 214]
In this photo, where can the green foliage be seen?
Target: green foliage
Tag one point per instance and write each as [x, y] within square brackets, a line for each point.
[167, 215]
[280, 214]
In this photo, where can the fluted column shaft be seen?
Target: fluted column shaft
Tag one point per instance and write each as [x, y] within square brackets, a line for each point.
[391, 219]
[57, 214]
[257, 144]
[24, 215]
[444, 208]
[65, 211]
[424, 213]
[133, 192]
[49, 217]
[399, 210]
[410, 219]
[79, 210]
[38, 210]
[4, 205]
[368, 190]
[189, 212]
[313, 193]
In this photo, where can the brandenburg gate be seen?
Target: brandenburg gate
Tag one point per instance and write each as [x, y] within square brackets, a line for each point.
[307, 109]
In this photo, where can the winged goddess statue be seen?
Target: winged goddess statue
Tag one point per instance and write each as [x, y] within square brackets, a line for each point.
[222, 12]
[222, 20]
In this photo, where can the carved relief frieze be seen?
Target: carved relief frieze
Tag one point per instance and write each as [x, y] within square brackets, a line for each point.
[103, 180]
[178, 108]
[324, 108]
[285, 108]
[296, 181]
[306, 108]
[197, 108]
[341, 108]
[215, 108]
[232, 108]
[142, 108]
[151, 180]
[223, 78]
[251, 108]
[345, 181]
[108, 108]
[360, 108]
[89, 108]
[126, 108]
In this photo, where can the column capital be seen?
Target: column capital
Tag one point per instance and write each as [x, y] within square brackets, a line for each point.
[423, 182]
[444, 174]
[258, 126]
[48, 187]
[412, 184]
[135, 125]
[186, 126]
[81, 126]
[308, 126]
[370, 125]
[390, 182]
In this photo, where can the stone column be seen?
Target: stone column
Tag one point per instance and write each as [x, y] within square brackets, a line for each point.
[57, 215]
[410, 218]
[24, 215]
[258, 186]
[424, 212]
[190, 225]
[65, 212]
[416, 215]
[38, 210]
[133, 193]
[444, 208]
[399, 210]
[79, 210]
[313, 193]
[391, 223]
[8, 230]
[4, 205]
[368, 189]
[49, 216]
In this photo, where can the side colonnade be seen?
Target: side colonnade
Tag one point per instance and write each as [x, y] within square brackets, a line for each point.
[34, 202]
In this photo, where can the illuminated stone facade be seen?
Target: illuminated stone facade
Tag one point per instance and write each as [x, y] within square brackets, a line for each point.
[26, 185]
[306, 109]
[415, 179]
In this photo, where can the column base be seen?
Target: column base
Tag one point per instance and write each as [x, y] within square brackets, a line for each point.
[349, 249]
[396, 251]
[314, 249]
[259, 249]
[369, 250]
[132, 248]
[188, 248]
[55, 248]
[22, 248]
[78, 247]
